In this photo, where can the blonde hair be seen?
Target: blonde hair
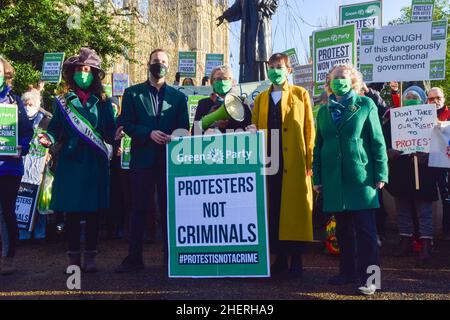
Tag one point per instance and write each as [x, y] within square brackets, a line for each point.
[224, 68]
[8, 71]
[356, 76]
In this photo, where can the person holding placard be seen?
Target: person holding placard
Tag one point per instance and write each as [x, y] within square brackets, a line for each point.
[436, 96]
[11, 169]
[350, 166]
[414, 207]
[285, 112]
[82, 124]
[151, 112]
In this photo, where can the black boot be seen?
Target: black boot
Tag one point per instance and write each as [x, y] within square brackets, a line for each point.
[280, 266]
[296, 270]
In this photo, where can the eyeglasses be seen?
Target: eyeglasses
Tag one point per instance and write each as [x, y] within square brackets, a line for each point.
[435, 98]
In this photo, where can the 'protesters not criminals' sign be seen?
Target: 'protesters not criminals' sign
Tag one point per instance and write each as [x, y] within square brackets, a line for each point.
[217, 206]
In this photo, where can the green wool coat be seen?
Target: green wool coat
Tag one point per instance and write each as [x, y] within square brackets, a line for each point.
[350, 158]
[81, 181]
[139, 119]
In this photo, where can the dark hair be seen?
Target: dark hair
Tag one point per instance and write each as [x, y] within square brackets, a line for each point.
[177, 76]
[156, 51]
[96, 86]
[192, 81]
[8, 70]
[280, 56]
[204, 80]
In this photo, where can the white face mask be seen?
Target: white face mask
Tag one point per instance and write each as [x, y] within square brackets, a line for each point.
[31, 111]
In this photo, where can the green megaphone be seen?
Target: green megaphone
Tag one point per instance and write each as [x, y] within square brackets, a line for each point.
[232, 108]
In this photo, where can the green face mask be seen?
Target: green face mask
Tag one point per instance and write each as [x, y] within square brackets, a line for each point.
[341, 87]
[83, 79]
[277, 76]
[2, 81]
[407, 103]
[222, 87]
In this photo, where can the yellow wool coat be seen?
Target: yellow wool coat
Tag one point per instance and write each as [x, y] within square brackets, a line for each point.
[298, 143]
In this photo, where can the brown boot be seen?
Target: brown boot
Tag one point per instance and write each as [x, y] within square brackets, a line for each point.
[425, 252]
[404, 248]
[7, 266]
[89, 265]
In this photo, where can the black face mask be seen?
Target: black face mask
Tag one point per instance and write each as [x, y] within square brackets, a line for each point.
[158, 70]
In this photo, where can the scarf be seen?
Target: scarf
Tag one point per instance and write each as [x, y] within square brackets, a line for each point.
[337, 108]
[82, 95]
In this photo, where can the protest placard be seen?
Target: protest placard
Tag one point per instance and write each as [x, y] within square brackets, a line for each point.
[411, 128]
[52, 67]
[217, 222]
[364, 15]
[8, 130]
[26, 205]
[332, 46]
[187, 64]
[422, 10]
[293, 58]
[125, 156]
[440, 146]
[303, 77]
[405, 52]
[192, 106]
[119, 83]
[212, 61]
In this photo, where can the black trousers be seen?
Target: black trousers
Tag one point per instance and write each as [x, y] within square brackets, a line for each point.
[142, 182]
[9, 187]
[73, 229]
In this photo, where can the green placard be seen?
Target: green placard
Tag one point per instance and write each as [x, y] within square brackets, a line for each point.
[213, 60]
[8, 130]
[422, 10]
[217, 221]
[125, 157]
[364, 15]
[108, 89]
[52, 67]
[192, 105]
[187, 64]
[332, 46]
[293, 58]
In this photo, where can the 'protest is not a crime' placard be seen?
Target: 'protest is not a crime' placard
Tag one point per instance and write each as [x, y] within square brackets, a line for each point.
[216, 206]
[404, 52]
[332, 46]
[411, 128]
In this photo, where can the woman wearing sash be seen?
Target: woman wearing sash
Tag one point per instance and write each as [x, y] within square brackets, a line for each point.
[82, 123]
[11, 170]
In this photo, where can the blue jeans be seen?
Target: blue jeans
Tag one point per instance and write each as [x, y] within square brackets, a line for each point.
[356, 234]
[424, 209]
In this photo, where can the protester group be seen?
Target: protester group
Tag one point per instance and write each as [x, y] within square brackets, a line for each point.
[337, 156]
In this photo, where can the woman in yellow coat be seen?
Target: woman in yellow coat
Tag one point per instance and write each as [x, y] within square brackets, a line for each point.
[284, 111]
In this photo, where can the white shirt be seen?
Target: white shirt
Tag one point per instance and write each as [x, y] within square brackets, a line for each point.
[276, 96]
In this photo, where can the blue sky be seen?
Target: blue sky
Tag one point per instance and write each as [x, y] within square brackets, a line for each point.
[295, 20]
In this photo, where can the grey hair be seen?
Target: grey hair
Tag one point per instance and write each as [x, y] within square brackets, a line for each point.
[33, 96]
[439, 90]
[224, 68]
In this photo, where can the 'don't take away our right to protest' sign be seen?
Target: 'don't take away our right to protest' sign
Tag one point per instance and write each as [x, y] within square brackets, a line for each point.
[411, 128]
[332, 46]
[8, 129]
[407, 52]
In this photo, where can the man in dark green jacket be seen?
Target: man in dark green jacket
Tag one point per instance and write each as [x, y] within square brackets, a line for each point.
[151, 112]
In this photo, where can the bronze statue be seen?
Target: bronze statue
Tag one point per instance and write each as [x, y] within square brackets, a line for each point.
[256, 33]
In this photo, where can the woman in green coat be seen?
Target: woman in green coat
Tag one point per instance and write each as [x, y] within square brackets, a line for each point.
[350, 164]
[81, 125]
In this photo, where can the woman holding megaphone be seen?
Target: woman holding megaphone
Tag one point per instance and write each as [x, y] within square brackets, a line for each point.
[221, 121]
